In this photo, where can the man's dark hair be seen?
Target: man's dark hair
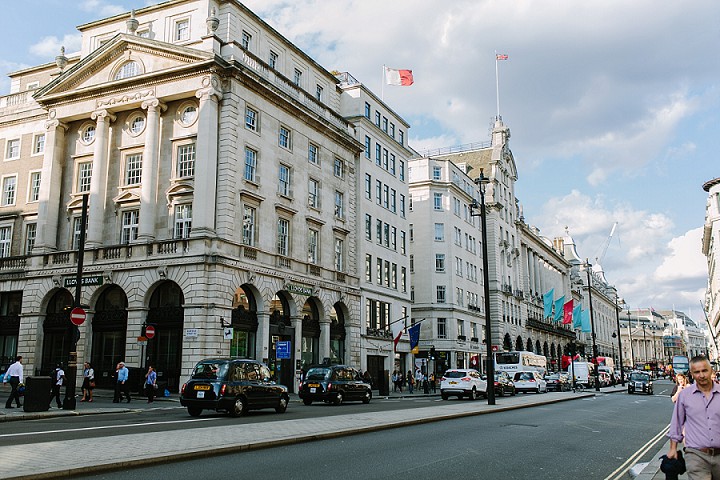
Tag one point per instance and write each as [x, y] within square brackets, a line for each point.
[699, 358]
[18, 358]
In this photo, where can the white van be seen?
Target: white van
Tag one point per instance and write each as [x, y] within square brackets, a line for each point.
[583, 372]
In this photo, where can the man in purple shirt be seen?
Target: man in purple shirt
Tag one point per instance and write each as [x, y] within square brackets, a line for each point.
[697, 410]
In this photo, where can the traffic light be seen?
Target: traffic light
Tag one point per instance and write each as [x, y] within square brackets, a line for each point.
[432, 353]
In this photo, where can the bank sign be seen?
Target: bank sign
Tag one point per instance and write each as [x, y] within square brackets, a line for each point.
[299, 289]
[94, 281]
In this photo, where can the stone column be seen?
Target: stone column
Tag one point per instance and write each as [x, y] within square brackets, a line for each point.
[262, 340]
[324, 339]
[98, 183]
[206, 152]
[148, 190]
[50, 186]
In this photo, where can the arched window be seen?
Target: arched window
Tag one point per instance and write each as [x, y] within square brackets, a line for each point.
[128, 69]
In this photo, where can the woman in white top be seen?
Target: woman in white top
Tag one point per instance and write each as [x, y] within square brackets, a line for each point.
[88, 383]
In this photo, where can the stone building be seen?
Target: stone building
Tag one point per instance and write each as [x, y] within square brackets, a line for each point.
[710, 244]
[222, 167]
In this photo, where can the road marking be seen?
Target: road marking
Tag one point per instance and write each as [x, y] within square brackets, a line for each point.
[622, 469]
[105, 427]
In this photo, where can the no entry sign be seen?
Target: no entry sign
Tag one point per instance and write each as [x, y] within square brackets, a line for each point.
[149, 331]
[77, 316]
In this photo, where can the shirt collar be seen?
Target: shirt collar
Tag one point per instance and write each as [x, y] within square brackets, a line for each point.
[715, 388]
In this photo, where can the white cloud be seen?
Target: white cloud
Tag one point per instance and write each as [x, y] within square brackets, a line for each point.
[685, 260]
[49, 47]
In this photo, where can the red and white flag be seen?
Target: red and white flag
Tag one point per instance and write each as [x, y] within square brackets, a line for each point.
[402, 78]
[501, 56]
[397, 331]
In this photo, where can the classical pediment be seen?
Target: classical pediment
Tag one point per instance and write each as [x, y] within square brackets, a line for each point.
[124, 61]
[128, 196]
[179, 188]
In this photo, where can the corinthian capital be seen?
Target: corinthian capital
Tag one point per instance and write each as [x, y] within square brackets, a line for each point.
[54, 124]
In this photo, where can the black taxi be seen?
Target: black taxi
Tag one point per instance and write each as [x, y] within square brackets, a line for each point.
[334, 384]
[232, 385]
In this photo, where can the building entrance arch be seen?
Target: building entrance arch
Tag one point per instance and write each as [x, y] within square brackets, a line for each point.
[337, 334]
[164, 351]
[244, 323]
[281, 330]
[109, 333]
[56, 343]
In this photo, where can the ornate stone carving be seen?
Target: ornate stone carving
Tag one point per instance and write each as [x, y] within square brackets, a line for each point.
[124, 99]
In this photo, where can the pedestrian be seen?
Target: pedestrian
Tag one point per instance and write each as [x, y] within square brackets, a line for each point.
[88, 383]
[58, 379]
[14, 376]
[682, 383]
[150, 384]
[121, 383]
[696, 420]
[367, 378]
[394, 380]
[410, 381]
[432, 382]
[401, 380]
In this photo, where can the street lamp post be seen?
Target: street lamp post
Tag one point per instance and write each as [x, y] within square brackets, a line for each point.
[481, 182]
[632, 351]
[592, 327]
[645, 359]
[619, 337]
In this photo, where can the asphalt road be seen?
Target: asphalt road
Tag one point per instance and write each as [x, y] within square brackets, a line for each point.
[586, 439]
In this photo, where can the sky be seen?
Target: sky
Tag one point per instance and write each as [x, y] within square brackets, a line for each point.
[613, 106]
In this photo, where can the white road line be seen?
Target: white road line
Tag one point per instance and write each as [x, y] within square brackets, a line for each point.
[105, 427]
[622, 469]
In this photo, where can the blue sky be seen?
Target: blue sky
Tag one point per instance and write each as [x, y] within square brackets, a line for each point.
[612, 106]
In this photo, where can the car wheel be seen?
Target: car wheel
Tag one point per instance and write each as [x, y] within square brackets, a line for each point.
[444, 397]
[473, 394]
[194, 411]
[239, 408]
[338, 398]
[367, 397]
[282, 406]
[513, 392]
[307, 401]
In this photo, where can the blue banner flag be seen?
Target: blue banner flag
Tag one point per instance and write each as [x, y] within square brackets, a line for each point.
[586, 322]
[577, 316]
[559, 308]
[414, 334]
[548, 301]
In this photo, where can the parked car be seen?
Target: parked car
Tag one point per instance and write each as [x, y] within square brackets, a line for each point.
[557, 382]
[605, 379]
[334, 383]
[529, 381]
[232, 385]
[503, 384]
[640, 382]
[462, 382]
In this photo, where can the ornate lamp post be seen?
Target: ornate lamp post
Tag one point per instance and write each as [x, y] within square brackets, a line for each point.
[481, 182]
[619, 337]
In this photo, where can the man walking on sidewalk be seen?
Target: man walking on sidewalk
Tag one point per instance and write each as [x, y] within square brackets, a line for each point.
[14, 375]
[696, 419]
[121, 383]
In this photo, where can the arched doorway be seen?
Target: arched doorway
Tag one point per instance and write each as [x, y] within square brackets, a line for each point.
[281, 367]
[518, 344]
[164, 351]
[529, 346]
[244, 323]
[56, 345]
[310, 334]
[337, 334]
[546, 350]
[109, 332]
[10, 308]
[507, 342]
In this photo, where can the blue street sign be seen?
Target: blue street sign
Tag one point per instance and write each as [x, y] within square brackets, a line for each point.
[282, 349]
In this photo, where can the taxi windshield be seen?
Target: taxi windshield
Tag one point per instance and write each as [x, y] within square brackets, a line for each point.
[639, 377]
[317, 373]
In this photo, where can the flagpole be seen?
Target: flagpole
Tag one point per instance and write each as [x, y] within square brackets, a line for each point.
[497, 86]
[382, 84]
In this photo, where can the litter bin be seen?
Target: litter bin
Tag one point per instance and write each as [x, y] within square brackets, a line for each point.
[37, 394]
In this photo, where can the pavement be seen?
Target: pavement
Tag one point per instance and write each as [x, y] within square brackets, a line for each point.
[57, 459]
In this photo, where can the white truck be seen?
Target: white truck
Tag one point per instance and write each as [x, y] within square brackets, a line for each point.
[583, 372]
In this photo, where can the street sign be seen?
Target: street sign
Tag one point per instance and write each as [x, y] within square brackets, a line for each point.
[77, 316]
[494, 348]
[282, 350]
[150, 331]
[228, 333]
